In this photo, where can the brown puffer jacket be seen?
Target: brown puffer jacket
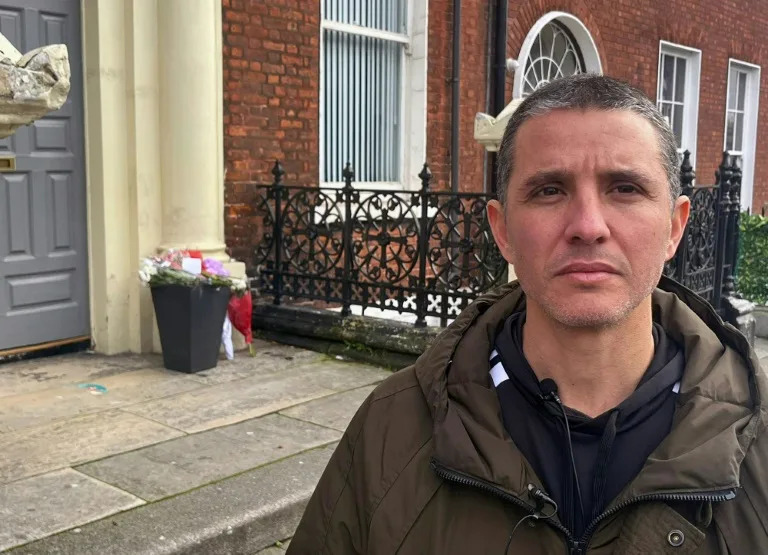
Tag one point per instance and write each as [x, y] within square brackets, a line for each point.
[426, 466]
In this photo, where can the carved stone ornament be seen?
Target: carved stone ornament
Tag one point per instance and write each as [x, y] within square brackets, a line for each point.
[489, 130]
[31, 85]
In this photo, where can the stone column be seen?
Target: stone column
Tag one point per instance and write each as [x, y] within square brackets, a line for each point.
[192, 130]
[191, 125]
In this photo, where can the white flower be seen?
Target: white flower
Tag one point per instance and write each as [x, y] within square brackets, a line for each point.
[238, 285]
[144, 277]
[148, 266]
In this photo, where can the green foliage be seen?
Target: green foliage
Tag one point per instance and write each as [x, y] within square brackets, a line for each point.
[752, 269]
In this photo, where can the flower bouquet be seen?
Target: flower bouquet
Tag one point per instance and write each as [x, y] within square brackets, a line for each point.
[190, 295]
[177, 267]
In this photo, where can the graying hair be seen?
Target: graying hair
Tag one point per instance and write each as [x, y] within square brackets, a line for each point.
[588, 91]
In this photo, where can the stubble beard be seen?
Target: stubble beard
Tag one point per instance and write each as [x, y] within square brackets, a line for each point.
[574, 317]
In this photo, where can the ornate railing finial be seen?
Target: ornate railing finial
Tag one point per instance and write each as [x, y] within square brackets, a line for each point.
[735, 185]
[348, 174]
[278, 172]
[687, 175]
[425, 176]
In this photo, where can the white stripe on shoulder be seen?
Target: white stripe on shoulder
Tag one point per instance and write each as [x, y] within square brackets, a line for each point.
[494, 353]
[676, 387]
[498, 374]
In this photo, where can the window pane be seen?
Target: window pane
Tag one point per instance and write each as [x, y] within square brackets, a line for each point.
[739, 130]
[362, 107]
[733, 83]
[729, 123]
[677, 126]
[569, 66]
[552, 55]
[546, 42]
[385, 15]
[666, 111]
[680, 80]
[668, 76]
[742, 89]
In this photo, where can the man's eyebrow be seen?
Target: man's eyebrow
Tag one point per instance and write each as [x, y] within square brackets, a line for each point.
[633, 176]
[543, 177]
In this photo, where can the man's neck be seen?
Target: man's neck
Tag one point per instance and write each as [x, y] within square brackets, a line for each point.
[595, 368]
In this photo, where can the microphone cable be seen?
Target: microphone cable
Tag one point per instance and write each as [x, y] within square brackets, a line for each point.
[541, 499]
[549, 391]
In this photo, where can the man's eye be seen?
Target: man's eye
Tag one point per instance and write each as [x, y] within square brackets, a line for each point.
[548, 191]
[626, 188]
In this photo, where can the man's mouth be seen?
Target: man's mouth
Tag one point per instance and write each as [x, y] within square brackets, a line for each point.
[587, 272]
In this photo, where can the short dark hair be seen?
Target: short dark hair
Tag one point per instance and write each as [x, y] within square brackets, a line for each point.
[582, 92]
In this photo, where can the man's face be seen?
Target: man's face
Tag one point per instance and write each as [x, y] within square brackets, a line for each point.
[588, 221]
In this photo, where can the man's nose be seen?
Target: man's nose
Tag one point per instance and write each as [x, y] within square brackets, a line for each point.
[586, 221]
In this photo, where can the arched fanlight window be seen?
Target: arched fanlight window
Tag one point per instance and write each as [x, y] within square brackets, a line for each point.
[557, 45]
[553, 54]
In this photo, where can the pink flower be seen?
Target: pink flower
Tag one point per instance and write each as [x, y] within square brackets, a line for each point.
[214, 267]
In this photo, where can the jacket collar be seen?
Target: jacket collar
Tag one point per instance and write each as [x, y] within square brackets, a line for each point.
[721, 407]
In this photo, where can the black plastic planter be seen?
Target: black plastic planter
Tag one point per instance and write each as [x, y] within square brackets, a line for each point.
[190, 320]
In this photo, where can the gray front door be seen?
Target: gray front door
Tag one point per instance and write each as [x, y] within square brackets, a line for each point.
[43, 243]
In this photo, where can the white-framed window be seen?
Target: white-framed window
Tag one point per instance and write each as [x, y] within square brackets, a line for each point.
[557, 45]
[373, 91]
[677, 93]
[740, 135]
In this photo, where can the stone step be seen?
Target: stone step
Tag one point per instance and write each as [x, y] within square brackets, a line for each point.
[243, 514]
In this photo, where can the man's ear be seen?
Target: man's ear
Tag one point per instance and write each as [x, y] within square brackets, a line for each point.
[680, 215]
[498, 221]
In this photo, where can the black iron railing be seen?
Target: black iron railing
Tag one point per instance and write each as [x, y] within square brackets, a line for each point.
[430, 253]
[706, 258]
[424, 252]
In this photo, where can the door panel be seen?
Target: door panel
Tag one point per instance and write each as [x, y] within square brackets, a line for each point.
[43, 231]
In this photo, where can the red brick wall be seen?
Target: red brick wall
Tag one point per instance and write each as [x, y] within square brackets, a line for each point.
[271, 95]
[627, 35]
[473, 74]
[271, 74]
[440, 16]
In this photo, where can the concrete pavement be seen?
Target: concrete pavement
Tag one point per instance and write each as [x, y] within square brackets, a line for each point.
[118, 455]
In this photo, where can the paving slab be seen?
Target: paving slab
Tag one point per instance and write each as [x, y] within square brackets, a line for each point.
[37, 507]
[268, 358]
[21, 377]
[188, 462]
[68, 442]
[266, 392]
[223, 404]
[334, 411]
[242, 514]
[342, 376]
[67, 401]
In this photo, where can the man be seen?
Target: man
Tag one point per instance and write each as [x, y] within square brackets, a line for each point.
[592, 406]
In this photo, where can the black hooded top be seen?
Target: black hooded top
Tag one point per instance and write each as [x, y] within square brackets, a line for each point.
[608, 451]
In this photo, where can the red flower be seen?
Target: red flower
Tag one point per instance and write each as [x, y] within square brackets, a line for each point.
[240, 310]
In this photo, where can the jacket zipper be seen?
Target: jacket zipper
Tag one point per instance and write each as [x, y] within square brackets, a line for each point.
[576, 547]
[580, 547]
[467, 480]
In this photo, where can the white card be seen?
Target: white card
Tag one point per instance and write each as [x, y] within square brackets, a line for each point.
[192, 265]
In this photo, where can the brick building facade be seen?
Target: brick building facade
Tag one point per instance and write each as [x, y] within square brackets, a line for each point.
[273, 81]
